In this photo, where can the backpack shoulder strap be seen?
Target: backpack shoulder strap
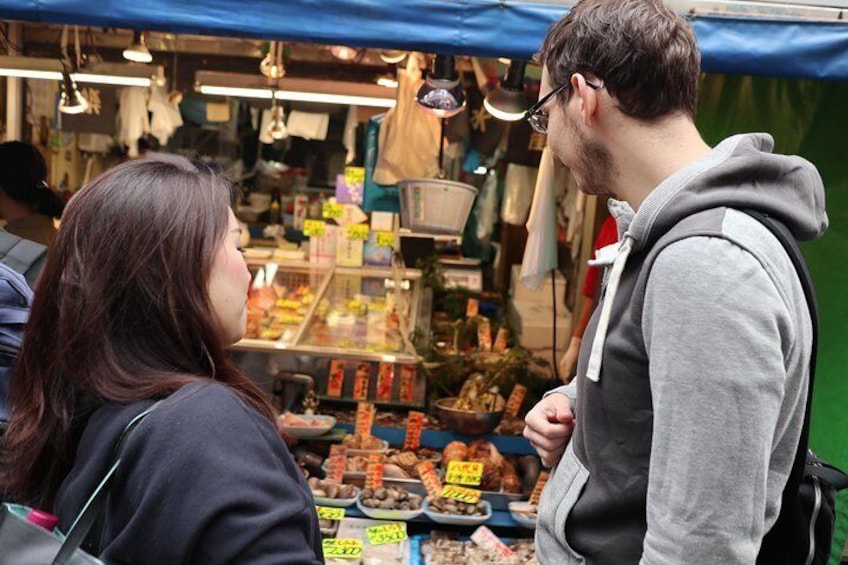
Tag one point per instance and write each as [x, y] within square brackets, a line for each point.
[796, 475]
[22, 255]
[96, 503]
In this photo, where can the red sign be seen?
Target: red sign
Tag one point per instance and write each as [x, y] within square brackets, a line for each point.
[374, 471]
[385, 376]
[428, 476]
[364, 419]
[537, 488]
[414, 425]
[335, 380]
[407, 383]
[336, 463]
[516, 397]
[361, 381]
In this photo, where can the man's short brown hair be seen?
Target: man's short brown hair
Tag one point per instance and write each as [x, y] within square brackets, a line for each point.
[643, 51]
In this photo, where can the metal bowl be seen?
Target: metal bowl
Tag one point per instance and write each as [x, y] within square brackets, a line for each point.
[466, 421]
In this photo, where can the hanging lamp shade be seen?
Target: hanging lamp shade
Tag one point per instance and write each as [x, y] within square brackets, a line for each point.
[442, 94]
[71, 100]
[392, 56]
[507, 100]
[138, 51]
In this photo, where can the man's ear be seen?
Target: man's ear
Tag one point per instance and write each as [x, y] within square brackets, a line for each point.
[588, 98]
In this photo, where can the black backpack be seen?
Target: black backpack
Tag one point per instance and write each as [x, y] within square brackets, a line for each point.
[21, 261]
[803, 532]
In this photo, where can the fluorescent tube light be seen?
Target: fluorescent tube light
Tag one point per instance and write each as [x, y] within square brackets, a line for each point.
[294, 89]
[117, 74]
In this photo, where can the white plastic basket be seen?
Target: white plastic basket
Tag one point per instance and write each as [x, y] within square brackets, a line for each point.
[435, 205]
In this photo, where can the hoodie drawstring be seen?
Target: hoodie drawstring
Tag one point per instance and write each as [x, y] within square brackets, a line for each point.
[593, 371]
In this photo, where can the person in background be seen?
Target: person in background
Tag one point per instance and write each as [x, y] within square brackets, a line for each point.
[27, 203]
[607, 235]
[675, 440]
[142, 291]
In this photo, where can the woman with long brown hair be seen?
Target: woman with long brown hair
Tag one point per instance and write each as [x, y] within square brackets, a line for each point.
[144, 288]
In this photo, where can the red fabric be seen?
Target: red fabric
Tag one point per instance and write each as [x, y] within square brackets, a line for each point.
[607, 235]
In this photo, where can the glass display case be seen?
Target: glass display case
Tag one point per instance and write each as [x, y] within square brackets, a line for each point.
[313, 321]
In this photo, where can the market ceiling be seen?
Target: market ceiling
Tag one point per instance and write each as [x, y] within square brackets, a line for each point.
[806, 39]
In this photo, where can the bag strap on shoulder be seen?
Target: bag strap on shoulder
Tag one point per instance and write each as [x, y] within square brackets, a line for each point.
[22, 255]
[97, 501]
[787, 240]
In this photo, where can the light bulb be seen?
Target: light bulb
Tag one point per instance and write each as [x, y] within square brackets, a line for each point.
[277, 128]
[344, 52]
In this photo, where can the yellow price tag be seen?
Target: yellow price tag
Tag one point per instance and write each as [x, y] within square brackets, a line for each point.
[385, 533]
[464, 473]
[332, 210]
[330, 513]
[354, 176]
[357, 231]
[461, 494]
[313, 228]
[343, 548]
[385, 239]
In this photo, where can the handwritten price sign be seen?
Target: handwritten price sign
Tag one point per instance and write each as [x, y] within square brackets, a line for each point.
[344, 548]
[537, 488]
[314, 228]
[364, 418]
[361, 381]
[332, 210]
[414, 424]
[464, 473]
[407, 383]
[461, 494]
[386, 533]
[358, 231]
[485, 538]
[336, 463]
[374, 471]
[385, 239]
[428, 476]
[513, 405]
[328, 513]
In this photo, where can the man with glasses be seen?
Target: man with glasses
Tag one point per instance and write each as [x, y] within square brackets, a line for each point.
[674, 442]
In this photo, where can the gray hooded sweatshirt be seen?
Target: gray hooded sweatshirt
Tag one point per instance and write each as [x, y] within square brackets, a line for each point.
[693, 371]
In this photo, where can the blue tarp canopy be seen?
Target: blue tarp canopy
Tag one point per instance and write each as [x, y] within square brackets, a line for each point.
[503, 28]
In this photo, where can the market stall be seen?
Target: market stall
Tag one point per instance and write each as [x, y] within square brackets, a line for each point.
[335, 344]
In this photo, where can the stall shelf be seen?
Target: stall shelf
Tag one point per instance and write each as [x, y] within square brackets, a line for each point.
[438, 439]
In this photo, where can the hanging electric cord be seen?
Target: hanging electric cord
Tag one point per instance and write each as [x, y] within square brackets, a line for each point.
[554, 309]
[77, 48]
[402, 306]
[9, 43]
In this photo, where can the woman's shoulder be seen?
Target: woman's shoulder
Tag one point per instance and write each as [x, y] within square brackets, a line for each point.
[207, 407]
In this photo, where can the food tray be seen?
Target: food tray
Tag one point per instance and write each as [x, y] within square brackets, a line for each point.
[306, 432]
[456, 519]
[336, 502]
[515, 507]
[383, 449]
[383, 514]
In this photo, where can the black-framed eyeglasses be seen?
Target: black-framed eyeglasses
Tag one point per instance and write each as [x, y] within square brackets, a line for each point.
[538, 119]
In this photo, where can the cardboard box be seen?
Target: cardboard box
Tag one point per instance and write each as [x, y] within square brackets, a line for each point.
[518, 291]
[533, 324]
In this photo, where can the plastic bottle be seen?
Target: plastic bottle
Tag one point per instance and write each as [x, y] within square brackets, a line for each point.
[44, 519]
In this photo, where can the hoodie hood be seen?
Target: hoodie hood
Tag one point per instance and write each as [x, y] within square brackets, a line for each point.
[741, 172]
